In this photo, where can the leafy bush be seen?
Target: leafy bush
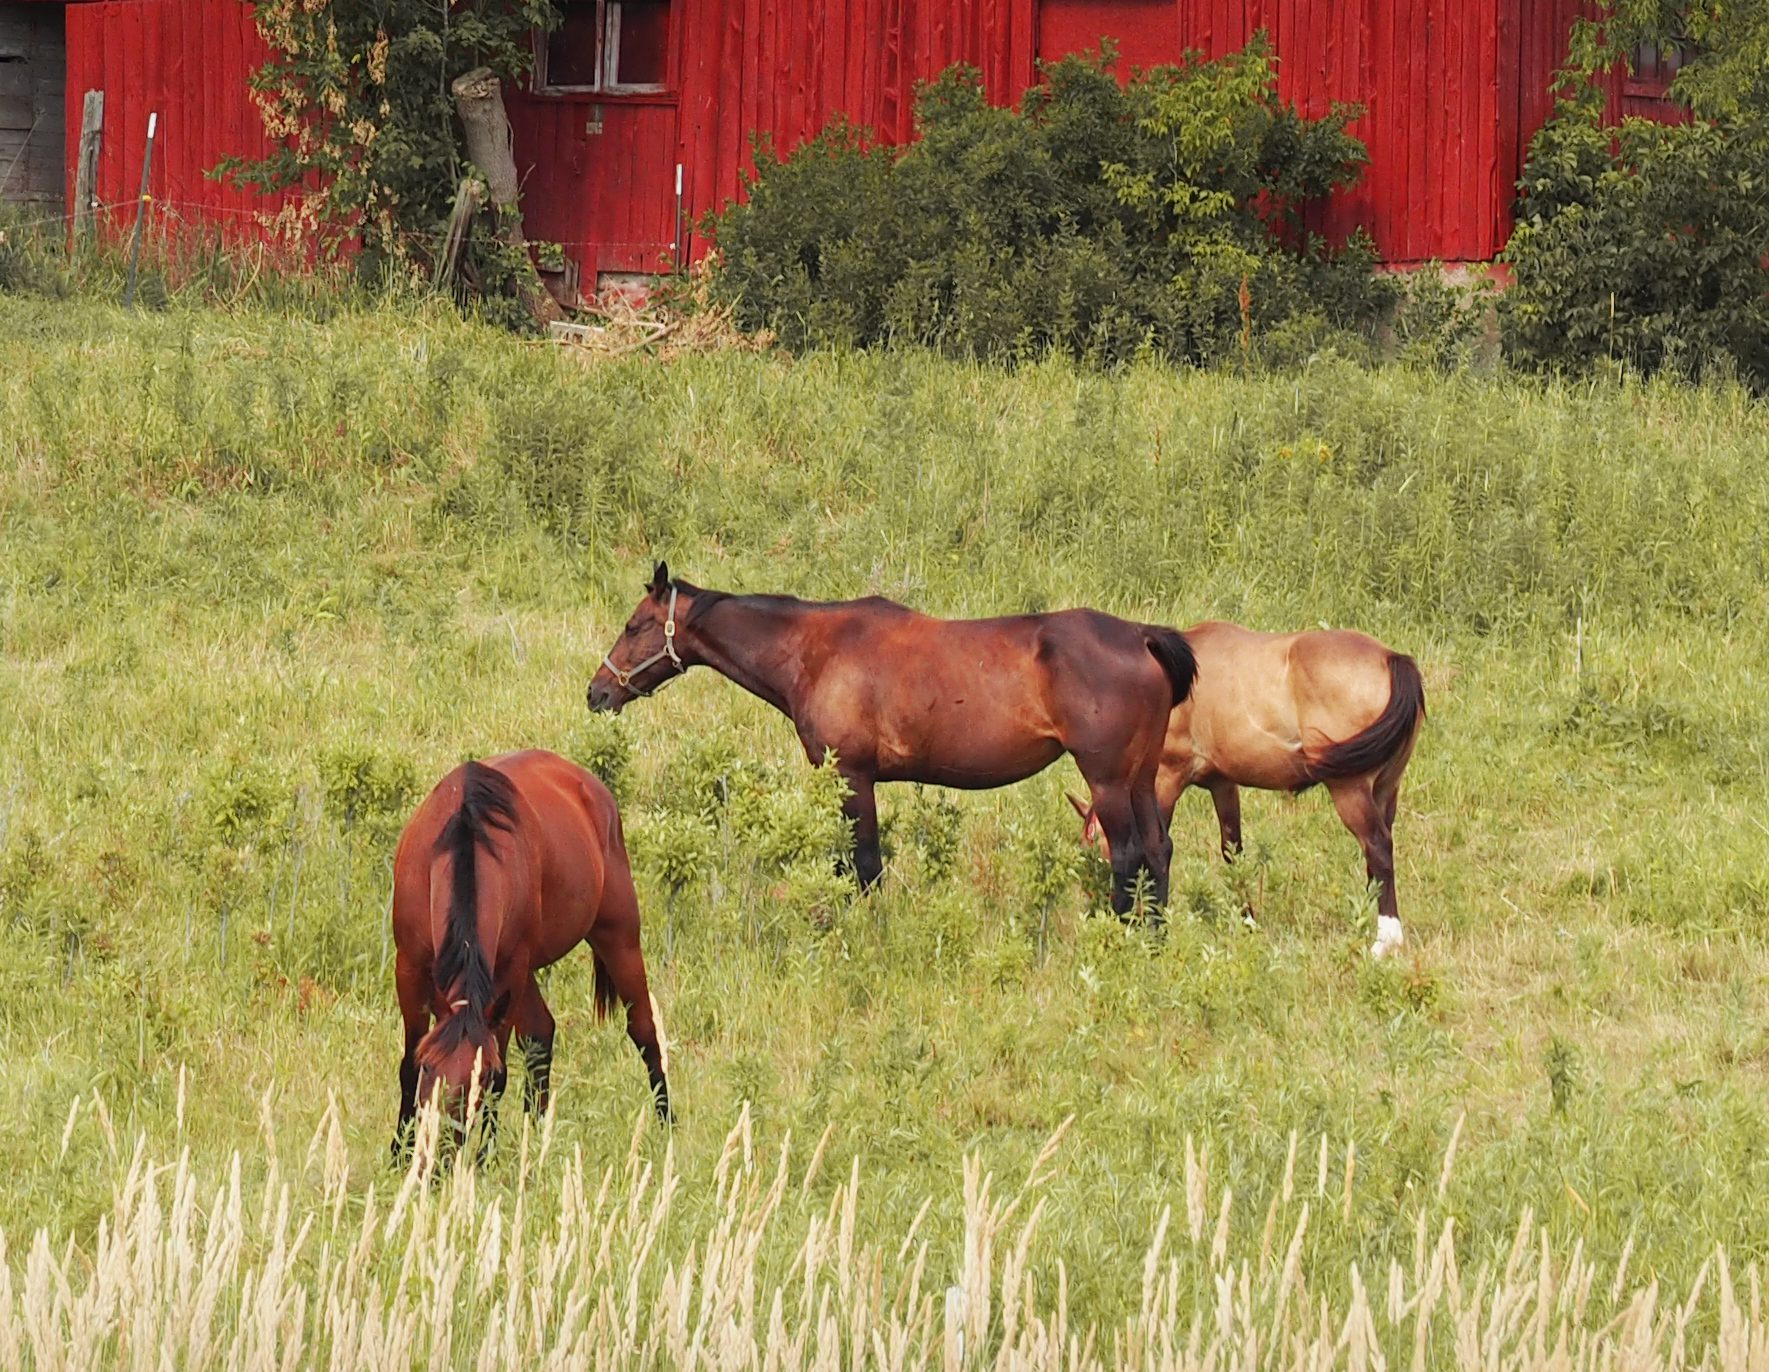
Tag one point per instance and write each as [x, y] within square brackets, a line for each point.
[368, 789]
[1099, 220]
[1647, 244]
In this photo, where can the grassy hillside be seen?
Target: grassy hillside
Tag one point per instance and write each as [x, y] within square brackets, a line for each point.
[262, 581]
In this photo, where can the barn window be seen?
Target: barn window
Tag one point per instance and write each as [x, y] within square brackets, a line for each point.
[607, 45]
[1656, 64]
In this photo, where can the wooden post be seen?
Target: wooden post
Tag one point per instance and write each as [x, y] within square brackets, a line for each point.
[147, 161]
[459, 220]
[86, 170]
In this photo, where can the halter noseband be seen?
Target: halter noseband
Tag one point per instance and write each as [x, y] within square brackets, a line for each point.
[667, 651]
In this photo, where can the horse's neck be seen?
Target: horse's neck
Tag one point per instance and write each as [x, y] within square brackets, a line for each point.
[754, 643]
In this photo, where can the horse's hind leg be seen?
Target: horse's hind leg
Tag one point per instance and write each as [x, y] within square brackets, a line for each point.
[414, 1010]
[535, 1028]
[614, 939]
[1370, 820]
[1157, 847]
[1117, 818]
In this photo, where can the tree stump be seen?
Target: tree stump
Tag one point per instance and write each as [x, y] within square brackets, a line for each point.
[479, 100]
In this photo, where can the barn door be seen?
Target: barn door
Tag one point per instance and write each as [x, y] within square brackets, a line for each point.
[33, 80]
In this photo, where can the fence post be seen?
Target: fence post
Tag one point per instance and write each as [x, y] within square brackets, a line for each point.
[147, 161]
[86, 170]
[459, 220]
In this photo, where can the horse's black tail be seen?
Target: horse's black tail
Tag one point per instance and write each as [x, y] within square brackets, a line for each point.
[1175, 656]
[488, 802]
[1388, 733]
[606, 997]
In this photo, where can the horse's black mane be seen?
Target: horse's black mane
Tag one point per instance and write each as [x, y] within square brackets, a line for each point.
[704, 600]
[488, 802]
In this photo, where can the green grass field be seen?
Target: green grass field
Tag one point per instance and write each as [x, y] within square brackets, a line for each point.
[263, 580]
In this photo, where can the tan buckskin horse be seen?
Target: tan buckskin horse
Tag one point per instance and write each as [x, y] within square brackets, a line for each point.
[1283, 712]
[901, 696]
[506, 867]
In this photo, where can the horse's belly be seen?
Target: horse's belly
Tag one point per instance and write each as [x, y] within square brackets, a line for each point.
[972, 763]
[1263, 759]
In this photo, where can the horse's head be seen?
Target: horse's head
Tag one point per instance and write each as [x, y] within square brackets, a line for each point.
[1092, 836]
[459, 1044]
[644, 656]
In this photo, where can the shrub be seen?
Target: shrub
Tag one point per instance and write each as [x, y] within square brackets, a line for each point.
[1647, 244]
[1099, 220]
[29, 264]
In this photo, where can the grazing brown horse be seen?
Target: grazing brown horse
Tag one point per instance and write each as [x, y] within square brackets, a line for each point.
[1283, 712]
[900, 696]
[506, 867]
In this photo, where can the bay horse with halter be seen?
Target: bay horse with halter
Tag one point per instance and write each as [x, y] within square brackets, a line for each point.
[1283, 712]
[901, 696]
[506, 866]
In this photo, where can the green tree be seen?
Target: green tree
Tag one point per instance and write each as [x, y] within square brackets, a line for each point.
[356, 96]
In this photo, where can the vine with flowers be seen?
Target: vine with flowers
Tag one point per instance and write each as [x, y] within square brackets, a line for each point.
[356, 99]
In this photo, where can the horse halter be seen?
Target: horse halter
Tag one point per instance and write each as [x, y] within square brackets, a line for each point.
[668, 650]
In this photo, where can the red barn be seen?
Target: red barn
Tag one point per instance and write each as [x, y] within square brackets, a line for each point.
[639, 114]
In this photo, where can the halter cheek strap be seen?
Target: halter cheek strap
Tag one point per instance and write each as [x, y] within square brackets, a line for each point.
[625, 678]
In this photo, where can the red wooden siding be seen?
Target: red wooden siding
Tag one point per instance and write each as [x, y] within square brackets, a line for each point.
[1452, 92]
[1146, 31]
[1428, 74]
[609, 196]
[188, 61]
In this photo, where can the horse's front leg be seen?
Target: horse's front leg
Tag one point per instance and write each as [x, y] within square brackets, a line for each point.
[1226, 796]
[861, 810]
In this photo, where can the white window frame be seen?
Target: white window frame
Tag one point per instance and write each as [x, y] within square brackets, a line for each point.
[607, 75]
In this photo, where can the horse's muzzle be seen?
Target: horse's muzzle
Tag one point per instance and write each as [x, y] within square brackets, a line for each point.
[604, 697]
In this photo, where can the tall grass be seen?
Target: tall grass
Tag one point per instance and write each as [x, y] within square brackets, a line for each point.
[263, 578]
[568, 1267]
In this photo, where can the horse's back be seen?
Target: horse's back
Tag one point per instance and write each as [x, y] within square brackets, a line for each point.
[1241, 722]
[573, 831]
[1341, 682]
[1266, 702]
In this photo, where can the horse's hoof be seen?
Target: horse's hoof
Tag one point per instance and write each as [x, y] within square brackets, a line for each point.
[1389, 937]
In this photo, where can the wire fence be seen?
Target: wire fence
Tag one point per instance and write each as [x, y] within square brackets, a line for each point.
[162, 211]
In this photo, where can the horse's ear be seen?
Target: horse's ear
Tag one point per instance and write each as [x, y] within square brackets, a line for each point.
[1079, 804]
[495, 1012]
[660, 578]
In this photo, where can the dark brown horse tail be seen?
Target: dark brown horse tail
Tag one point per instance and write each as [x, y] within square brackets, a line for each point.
[1175, 656]
[488, 802]
[1387, 734]
[606, 998]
